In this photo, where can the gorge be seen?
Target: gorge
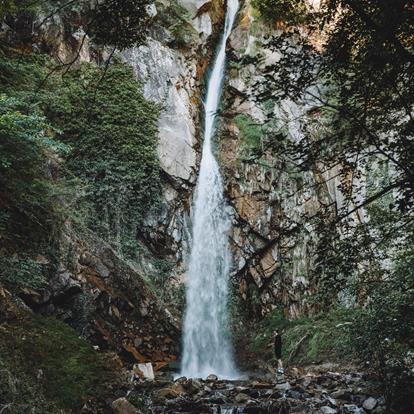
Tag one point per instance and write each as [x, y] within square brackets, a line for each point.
[180, 178]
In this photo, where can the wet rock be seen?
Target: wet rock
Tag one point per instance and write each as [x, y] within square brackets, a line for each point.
[261, 385]
[191, 386]
[241, 398]
[296, 395]
[123, 406]
[328, 410]
[254, 408]
[341, 394]
[352, 409]
[212, 377]
[165, 394]
[64, 285]
[370, 403]
[284, 386]
[144, 371]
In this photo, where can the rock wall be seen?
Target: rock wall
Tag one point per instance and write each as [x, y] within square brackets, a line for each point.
[273, 239]
[273, 243]
[108, 302]
[173, 76]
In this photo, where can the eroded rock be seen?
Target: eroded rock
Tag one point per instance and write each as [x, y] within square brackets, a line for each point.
[123, 406]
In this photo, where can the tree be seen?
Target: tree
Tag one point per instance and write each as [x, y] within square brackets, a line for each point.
[116, 23]
[358, 85]
[28, 196]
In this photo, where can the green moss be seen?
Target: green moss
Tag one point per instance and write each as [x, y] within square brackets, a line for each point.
[251, 132]
[22, 272]
[46, 357]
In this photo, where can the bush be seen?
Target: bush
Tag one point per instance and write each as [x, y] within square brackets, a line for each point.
[111, 175]
[307, 340]
[28, 196]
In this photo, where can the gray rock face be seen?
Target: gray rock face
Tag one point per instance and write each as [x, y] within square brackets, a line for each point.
[64, 284]
[168, 79]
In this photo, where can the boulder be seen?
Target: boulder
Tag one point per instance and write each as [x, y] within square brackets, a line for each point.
[144, 371]
[64, 285]
[284, 386]
[212, 377]
[241, 398]
[166, 394]
[352, 409]
[123, 406]
[341, 394]
[370, 403]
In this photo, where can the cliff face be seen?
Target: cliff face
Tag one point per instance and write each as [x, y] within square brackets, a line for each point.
[273, 238]
[271, 243]
[171, 66]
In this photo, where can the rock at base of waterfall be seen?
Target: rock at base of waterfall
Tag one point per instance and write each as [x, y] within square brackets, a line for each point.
[369, 404]
[165, 394]
[123, 406]
[328, 410]
[144, 371]
[241, 398]
[285, 386]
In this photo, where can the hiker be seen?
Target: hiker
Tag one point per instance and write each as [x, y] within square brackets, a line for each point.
[278, 352]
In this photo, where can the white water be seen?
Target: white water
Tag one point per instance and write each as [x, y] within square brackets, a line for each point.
[206, 345]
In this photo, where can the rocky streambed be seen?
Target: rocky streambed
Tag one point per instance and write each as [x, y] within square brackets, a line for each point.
[314, 390]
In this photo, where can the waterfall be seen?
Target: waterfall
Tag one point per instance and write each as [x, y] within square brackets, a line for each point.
[206, 344]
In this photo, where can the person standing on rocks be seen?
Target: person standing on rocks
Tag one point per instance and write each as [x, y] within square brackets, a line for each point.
[278, 351]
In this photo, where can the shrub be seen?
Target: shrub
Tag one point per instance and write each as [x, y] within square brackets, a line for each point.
[28, 195]
[384, 332]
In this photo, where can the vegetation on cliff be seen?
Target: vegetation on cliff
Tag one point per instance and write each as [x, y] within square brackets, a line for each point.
[78, 146]
[77, 151]
[353, 63]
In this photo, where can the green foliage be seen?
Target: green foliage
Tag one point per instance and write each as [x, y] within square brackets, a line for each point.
[176, 18]
[29, 197]
[291, 12]
[384, 331]
[112, 129]
[6, 6]
[118, 22]
[307, 340]
[110, 179]
[251, 132]
[49, 361]
[22, 272]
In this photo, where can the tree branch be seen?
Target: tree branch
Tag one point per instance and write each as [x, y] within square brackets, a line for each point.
[356, 7]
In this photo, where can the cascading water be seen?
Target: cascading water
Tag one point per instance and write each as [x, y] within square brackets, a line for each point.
[206, 343]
